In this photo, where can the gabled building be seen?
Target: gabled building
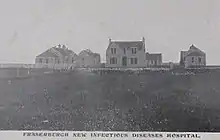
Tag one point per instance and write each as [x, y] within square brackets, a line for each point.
[58, 57]
[153, 60]
[88, 59]
[194, 57]
[127, 54]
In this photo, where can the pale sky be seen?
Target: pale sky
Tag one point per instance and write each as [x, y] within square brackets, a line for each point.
[29, 27]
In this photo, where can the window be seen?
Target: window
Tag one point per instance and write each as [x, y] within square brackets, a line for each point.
[134, 50]
[113, 50]
[58, 61]
[40, 60]
[73, 59]
[124, 50]
[47, 61]
[113, 60]
[134, 61]
[200, 59]
[192, 59]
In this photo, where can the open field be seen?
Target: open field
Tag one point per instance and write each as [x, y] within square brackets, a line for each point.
[152, 101]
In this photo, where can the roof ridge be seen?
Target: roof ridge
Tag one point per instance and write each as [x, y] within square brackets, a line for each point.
[127, 41]
[195, 52]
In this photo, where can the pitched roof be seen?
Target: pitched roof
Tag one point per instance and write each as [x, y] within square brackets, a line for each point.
[89, 52]
[154, 56]
[193, 47]
[47, 53]
[64, 51]
[195, 54]
[129, 44]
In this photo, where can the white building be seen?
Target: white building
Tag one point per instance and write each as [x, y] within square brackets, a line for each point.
[128, 54]
[154, 59]
[58, 57]
[194, 57]
[87, 58]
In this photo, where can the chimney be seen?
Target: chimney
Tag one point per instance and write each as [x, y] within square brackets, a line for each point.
[110, 40]
[143, 39]
[63, 47]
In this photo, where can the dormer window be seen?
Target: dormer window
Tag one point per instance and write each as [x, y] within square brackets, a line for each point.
[134, 50]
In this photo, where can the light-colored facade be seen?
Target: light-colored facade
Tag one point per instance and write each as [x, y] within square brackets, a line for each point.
[125, 54]
[194, 57]
[88, 59]
[58, 57]
[153, 60]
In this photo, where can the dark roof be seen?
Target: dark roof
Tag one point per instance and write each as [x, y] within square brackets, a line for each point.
[47, 53]
[154, 56]
[195, 54]
[129, 44]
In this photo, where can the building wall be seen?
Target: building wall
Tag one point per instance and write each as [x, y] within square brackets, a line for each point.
[55, 63]
[118, 56]
[52, 63]
[155, 62]
[43, 64]
[70, 61]
[85, 60]
[140, 55]
[183, 54]
[189, 62]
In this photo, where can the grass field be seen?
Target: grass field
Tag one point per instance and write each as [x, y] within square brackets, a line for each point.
[153, 101]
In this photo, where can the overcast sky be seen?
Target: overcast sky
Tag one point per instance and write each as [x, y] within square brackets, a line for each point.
[29, 27]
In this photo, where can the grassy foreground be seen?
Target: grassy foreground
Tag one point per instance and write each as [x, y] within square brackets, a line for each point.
[153, 101]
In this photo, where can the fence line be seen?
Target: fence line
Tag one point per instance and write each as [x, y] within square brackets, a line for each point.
[17, 65]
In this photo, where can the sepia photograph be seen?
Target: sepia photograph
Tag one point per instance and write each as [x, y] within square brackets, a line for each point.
[110, 65]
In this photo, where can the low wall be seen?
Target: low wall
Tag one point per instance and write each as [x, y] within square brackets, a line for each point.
[17, 65]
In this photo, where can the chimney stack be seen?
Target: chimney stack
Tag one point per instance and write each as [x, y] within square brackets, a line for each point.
[143, 39]
[110, 40]
[59, 46]
[63, 47]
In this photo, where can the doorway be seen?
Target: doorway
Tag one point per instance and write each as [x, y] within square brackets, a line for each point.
[124, 61]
